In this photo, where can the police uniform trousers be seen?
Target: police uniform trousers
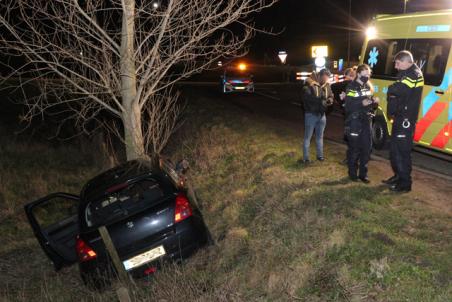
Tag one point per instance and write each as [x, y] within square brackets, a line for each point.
[359, 140]
[400, 150]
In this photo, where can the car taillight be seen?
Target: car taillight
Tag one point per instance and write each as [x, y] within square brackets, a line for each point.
[183, 208]
[84, 251]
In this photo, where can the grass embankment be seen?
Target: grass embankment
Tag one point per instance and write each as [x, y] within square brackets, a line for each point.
[284, 232]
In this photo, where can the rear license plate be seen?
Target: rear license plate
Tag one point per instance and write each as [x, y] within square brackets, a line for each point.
[144, 257]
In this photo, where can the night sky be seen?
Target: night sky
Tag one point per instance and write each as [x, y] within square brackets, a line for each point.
[309, 22]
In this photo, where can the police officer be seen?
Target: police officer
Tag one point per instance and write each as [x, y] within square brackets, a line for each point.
[404, 97]
[359, 106]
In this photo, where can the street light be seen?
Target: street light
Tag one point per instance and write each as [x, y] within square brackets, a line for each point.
[349, 33]
[319, 63]
[155, 5]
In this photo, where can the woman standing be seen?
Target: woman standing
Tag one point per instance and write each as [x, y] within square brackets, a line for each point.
[359, 106]
[317, 96]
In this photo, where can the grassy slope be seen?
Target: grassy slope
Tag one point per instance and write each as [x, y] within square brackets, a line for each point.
[284, 231]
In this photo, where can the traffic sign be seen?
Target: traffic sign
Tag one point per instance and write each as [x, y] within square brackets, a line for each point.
[319, 51]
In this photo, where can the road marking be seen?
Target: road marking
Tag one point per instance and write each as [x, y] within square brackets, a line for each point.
[267, 96]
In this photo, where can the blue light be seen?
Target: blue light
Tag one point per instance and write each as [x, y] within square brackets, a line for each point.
[432, 28]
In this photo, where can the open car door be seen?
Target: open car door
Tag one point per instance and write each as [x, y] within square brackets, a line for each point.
[54, 220]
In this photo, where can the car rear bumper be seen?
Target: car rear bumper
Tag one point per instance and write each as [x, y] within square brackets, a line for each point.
[187, 237]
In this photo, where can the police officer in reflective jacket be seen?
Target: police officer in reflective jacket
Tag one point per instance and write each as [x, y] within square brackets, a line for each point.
[404, 97]
[359, 107]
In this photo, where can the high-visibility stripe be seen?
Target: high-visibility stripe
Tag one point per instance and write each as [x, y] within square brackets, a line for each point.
[425, 122]
[431, 98]
[408, 83]
[414, 80]
[352, 93]
[413, 83]
[410, 79]
[442, 138]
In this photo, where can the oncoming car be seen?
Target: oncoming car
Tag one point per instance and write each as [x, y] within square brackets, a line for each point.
[148, 218]
[237, 79]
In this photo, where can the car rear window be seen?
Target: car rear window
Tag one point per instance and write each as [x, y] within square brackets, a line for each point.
[123, 202]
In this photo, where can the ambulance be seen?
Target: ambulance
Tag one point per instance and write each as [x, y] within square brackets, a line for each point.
[428, 36]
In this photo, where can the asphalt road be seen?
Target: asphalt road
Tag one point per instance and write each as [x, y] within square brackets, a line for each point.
[282, 102]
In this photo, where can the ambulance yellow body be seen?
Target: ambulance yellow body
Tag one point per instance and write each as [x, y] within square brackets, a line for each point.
[428, 35]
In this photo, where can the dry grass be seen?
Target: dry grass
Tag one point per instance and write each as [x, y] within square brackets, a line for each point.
[284, 232]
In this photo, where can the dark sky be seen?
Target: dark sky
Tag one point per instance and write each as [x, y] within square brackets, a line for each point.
[310, 22]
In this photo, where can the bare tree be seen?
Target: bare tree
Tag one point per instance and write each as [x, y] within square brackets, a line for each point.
[121, 56]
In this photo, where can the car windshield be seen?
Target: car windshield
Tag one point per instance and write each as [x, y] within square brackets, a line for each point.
[127, 200]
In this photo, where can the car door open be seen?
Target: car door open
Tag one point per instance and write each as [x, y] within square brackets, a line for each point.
[54, 220]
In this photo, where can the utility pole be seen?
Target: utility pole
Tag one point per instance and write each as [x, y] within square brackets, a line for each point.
[349, 34]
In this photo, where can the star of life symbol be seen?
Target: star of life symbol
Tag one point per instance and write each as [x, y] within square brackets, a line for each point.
[373, 57]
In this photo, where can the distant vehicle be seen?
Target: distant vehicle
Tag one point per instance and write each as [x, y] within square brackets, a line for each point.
[148, 219]
[237, 79]
[428, 35]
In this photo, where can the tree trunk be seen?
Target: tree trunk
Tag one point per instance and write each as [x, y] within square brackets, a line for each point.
[133, 133]
[131, 116]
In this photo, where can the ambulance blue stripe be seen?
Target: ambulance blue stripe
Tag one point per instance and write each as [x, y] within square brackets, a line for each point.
[432, 97]
[450, 110]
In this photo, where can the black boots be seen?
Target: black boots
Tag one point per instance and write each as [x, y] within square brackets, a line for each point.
[391, 181]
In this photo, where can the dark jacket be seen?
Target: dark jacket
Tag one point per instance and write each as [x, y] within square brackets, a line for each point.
[337, 89]
[316, 97]
[355, 94]
[404, 96]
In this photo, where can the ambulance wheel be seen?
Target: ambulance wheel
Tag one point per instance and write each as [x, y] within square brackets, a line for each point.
[379, 133]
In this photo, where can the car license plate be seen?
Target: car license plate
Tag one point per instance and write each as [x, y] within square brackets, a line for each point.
[239, 88]
[144, 258]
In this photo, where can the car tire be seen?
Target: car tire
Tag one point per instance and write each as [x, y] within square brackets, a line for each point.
[379, 133]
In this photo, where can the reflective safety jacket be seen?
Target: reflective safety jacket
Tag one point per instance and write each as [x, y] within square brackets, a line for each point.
[354, 96]
[404, 96]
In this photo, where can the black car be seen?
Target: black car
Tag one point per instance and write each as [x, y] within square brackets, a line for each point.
[148, 218]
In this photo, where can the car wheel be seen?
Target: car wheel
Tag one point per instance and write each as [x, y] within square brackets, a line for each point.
[379, 133]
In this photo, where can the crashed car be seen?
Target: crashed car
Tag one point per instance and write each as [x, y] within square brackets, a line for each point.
[148, 218]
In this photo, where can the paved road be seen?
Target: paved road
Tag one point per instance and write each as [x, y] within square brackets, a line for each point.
[282, 102]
